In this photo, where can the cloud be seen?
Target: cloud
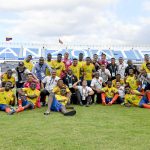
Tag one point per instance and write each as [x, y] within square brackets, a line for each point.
[73, 21]
[146, 5]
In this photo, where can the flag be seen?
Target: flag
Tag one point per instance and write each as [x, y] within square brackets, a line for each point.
[8, 38]
[60, 41]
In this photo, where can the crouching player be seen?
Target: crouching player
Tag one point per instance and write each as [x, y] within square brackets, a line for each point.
[7, 99]
[135, 98]
[28, 97]
[109, 94]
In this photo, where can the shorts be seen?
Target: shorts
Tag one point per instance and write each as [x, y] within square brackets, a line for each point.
[56, 106]
[108, 100]
[144, 100]
[3, 107]
[26, 102]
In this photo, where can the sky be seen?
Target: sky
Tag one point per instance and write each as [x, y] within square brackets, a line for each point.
[76, 21]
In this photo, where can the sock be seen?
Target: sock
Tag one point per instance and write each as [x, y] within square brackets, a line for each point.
[20, 109]
[148, 96]
[7, 110]
[19, 102]
[115, 98]
[38, 104]
[146, 106]
[103, 98]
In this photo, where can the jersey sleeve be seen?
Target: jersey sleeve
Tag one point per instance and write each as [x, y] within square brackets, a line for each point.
[44, 80]
[126, 99]
[104, 89]
[24, 89]
[92, 82]
[55, 89]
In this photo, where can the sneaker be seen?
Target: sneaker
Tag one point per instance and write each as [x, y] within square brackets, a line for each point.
[81, 104]
[70, 113]
[47, 113]
[87, 105]
[11, 112]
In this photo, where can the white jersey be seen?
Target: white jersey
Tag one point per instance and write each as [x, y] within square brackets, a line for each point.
[121, 69]
[50, 82]
[104, 74]
[97, 83]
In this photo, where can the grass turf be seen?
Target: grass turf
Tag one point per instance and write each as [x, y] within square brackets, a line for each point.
[93, 128]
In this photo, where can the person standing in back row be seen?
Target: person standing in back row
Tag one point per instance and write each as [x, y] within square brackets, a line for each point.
[40, 69]
[112, 67]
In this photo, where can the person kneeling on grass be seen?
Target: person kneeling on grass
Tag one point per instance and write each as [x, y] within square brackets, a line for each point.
[135, 98]
[109, 94]
[29, 97]
[6, 99]
[85, 93]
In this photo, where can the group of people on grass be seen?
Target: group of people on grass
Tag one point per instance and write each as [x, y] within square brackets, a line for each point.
[58, 83]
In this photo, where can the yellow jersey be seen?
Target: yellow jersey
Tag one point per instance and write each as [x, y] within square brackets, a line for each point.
[114, 82]
[88, 71]
[50, 63]
[133, 98]
[59, 66]
[28, 65]
[132, 82]
[110, 92]
[29, 91]
[144, 67]
[81, 63]
[57, 90]
[6, 97]
[5, 79]
[76, 70]
[60, 98]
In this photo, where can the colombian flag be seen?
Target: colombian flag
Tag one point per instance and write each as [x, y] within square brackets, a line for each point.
[8, 38]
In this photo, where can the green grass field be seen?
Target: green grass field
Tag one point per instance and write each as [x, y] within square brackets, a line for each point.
[93, 128]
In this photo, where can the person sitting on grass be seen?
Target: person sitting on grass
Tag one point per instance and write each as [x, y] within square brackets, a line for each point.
[144, 78]
[30, 79]
[135, 98]
[57, 90]
[62, 93]
[85, 93]
[50, 82]
[121, 92]
[7, 99]
[8, 77]
[96, 85]
[109, 94]
[29, 97]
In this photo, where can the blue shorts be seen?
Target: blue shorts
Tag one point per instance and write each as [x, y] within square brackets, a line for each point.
[3, 107]
[144, 100]
[108, 100]
[56, 106]
[26, 102]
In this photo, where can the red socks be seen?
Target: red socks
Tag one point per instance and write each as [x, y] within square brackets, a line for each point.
[115, 98]
[146, 106]
[103, 98]
[7, 110]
